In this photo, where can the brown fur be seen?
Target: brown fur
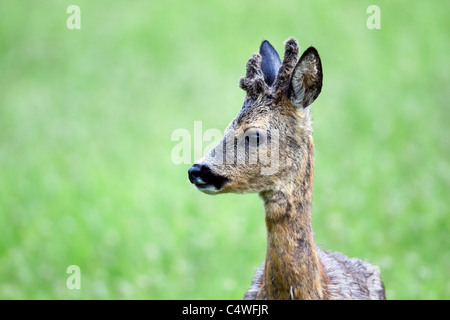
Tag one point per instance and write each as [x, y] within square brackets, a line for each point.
[291, 259]
[294, 267]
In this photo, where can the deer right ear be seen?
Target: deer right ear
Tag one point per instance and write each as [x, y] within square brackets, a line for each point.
[306, 81]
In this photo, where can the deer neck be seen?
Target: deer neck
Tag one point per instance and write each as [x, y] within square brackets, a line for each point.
[292, 268]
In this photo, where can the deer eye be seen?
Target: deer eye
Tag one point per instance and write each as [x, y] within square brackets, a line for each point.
[253, 138]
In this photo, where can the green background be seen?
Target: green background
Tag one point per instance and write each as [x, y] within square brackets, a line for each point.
[86, 118]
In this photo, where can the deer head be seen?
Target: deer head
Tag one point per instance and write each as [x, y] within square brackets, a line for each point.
[266, 145]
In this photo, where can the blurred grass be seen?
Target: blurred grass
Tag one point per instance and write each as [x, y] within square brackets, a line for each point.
[86, 118]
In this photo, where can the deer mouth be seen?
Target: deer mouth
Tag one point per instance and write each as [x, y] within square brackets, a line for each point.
[208, 189]
[203, 186]
[206, 180]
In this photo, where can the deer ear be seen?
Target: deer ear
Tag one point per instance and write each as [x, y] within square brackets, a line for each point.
[306, 81]
[270, 63]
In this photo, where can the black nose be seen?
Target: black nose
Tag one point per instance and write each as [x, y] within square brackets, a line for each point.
[202, 176]
[194, 173]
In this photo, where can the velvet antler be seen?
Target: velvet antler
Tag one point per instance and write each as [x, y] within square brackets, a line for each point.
[253, 83]
[290, 59]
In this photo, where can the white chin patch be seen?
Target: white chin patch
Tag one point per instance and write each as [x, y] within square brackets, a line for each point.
[208, 189]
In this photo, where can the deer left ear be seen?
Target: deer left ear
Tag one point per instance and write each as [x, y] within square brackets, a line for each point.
[270, 63]
[306, 81]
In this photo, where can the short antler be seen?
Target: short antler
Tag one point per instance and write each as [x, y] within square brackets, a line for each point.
[282, 81]
[253, 82]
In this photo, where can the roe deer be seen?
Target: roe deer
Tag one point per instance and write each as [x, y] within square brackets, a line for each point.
[275, 122]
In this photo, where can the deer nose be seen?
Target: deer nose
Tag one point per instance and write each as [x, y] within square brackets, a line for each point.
[205, 179]
[195, 174]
